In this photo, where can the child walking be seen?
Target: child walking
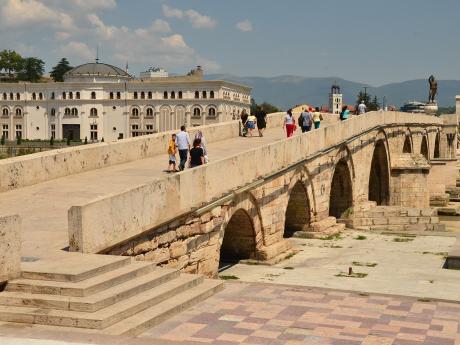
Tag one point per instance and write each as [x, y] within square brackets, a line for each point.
[172, 149]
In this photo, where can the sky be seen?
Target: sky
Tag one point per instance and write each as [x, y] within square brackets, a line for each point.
[370, 41]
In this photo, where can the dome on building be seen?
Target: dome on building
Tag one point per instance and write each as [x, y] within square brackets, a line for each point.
[97, 72]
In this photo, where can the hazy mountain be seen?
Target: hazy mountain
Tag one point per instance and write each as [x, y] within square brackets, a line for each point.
[287, 91]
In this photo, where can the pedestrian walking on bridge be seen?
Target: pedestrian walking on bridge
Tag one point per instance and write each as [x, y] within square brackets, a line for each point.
[183, 144]
[289, 124]
[317, 117]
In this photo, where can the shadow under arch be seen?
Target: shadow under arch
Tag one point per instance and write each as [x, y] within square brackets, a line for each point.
[341, 191]
[437, 145]
[407, 147]
[379, 174]
[424, 149]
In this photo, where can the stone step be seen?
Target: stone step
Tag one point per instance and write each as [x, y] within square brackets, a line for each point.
[333, 230]
[85, 287]
[322, 225]
[94, 302]
[152, 316]
[104, 317]
[75, 268]
[394, 221]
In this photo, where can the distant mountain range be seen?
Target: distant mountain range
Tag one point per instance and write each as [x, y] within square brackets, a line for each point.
[287, 91]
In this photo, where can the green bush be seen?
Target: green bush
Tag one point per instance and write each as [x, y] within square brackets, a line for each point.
[68, 141]
[18, 140]
[2, 140]
[51, 141]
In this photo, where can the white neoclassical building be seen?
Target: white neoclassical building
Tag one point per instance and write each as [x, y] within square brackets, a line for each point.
[98, 101]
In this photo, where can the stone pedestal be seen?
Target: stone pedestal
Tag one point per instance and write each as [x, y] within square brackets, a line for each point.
[431, 108]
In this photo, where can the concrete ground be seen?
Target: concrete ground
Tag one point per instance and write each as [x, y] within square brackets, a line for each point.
[411, 267]
[43, 207]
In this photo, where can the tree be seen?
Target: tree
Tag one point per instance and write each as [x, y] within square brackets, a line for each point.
[265, 107]
[363, 96]
[58, 71]
[32, 69]
[374, 105]
[10, 61]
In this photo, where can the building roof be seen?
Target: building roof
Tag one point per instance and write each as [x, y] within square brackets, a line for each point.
[97, 69]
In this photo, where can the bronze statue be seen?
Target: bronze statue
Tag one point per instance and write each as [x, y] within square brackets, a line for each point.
[433, 89]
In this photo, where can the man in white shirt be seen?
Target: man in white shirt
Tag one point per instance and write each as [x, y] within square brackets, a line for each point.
[362, 108]
[183, 145]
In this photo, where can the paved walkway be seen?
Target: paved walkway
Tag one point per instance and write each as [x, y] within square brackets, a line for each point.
[44, 206]
[268, 314]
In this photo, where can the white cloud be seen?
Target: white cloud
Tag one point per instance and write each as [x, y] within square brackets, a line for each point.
[200, 21]
[76, 49]
[20, 13]
[160, 25]
[170, 12]
[62, 35]
[244, 26]
[95, 4]
[197, 19]
[175, 41]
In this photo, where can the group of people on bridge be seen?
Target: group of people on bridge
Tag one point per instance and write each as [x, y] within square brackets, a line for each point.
[181, 143]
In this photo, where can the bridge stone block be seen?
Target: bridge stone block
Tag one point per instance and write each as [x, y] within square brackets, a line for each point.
[10, 247]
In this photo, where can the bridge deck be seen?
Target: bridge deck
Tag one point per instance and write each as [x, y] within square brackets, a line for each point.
[43, 207]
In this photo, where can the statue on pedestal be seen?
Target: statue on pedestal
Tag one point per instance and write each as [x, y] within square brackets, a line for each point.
[433, 89]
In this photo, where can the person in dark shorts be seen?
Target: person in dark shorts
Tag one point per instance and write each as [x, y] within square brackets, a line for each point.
[196, 154]
[244, 119]
[261, 121]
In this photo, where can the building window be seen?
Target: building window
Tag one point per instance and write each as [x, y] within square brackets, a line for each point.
[149, 95]
[18, 131]
[212, 112]
[5, 112]
[197, 94]
[67, 112]
[149, 129]
[211, 94]
[11, 96]
[18, 96]
[142, 95]
[111, 95]
[77, 96]
[93, 112]
[74, 112]
[173, 95]
[135, 112]
[18, 112]
[5, 131]
[204, 94]
[53, 95]
[34, 96]
[196, 112]
[93, 132]
[4, 96]
[180, 95]
[70, 95]
[149, 112]
[53, 131]
[135, 95]
[64, 95]
[93, 95]
[40, 96]
[53, 112]
[118, 95]
[134, 130]
[165, 95]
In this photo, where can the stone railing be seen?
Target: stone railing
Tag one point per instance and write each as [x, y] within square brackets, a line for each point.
[110, 220]
[10, 247]
[27, 170]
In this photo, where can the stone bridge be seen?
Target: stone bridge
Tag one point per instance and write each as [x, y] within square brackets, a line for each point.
[376, 171]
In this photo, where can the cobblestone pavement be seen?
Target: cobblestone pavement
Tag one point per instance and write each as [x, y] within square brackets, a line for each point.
[259, 313]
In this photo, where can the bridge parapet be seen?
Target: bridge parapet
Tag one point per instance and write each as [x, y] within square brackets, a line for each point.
[109, 221]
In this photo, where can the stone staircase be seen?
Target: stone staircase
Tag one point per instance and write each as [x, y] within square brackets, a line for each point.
[321, 229]
[369, 216]
[106, 294]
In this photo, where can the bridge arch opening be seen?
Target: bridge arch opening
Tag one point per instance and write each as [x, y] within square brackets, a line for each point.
[341, 196]
[437, 152]
[297, 211]
[407, 148]
[424, 148]
[239, 242]
[379, 177]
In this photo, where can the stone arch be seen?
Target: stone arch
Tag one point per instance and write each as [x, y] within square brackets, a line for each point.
[437, 146]
[379, 175]
[165, 118]
[407, 146]
[424, 150]
[297, 214]
[341, 190]
[241, 232]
